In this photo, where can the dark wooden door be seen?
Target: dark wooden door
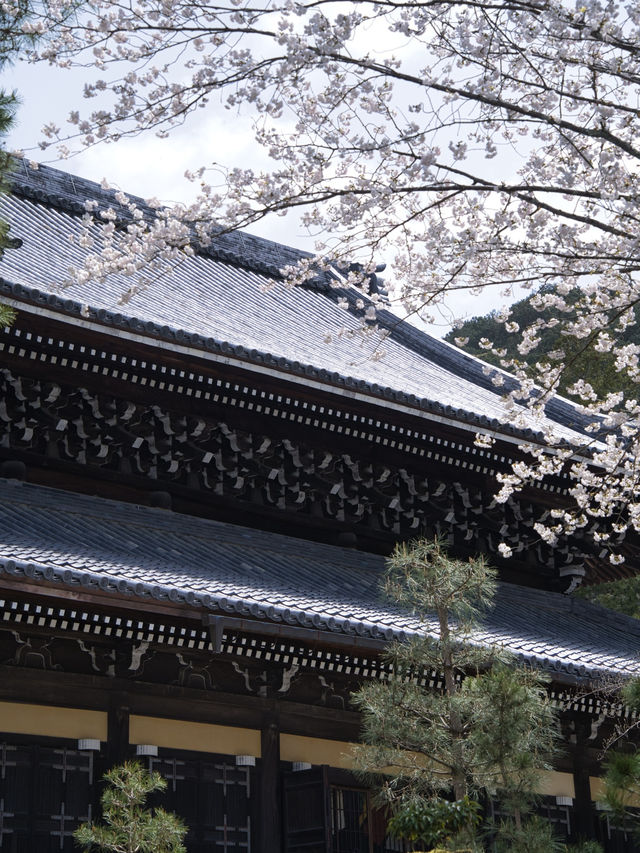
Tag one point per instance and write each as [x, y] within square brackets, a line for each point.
[306, 811]
[45, 793]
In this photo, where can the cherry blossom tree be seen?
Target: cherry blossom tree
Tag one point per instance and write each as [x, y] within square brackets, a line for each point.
[471, 144]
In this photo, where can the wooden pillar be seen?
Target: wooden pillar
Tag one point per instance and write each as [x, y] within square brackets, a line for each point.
[583, 811]
[117, 730]
[270, 795]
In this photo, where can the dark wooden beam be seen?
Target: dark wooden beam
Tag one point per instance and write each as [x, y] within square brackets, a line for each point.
[107, 602]
[584, 760]
[270, 828]
[118, 749]
[179, 703]
[583, 812]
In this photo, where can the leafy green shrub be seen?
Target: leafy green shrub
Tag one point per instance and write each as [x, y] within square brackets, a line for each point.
[433, 820]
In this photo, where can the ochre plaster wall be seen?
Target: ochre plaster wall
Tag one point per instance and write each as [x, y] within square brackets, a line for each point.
[201, 737]
[556, 784]
[52, 721]
[335, 753]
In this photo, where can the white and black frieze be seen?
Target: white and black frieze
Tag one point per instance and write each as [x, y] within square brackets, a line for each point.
[306, 676]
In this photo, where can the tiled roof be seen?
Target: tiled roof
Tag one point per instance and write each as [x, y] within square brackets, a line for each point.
[230, 300]
[154, 554]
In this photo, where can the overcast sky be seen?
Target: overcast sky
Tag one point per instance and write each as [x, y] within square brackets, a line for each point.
[145, 165]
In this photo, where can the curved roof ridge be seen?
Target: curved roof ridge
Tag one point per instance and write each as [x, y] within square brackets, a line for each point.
[471, 367]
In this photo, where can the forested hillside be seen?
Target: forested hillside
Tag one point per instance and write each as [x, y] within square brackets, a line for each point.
[580, 357]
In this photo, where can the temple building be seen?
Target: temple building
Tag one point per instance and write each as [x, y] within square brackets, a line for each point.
[200, 483]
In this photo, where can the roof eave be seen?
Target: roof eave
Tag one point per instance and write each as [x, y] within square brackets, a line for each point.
[73, 313]
[242, 615]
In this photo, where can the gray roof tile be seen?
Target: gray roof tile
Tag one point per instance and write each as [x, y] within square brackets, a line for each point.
[156, 554]
[217, 302]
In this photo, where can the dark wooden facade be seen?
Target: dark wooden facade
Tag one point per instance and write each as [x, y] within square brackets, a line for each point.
[246, 713]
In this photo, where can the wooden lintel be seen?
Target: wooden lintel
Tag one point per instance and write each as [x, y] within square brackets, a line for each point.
[180, 703]
[312, 636]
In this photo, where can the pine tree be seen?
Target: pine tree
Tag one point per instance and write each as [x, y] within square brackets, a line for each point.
[128, 826]
[12, 40]
[484, 729]
[622, 766]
